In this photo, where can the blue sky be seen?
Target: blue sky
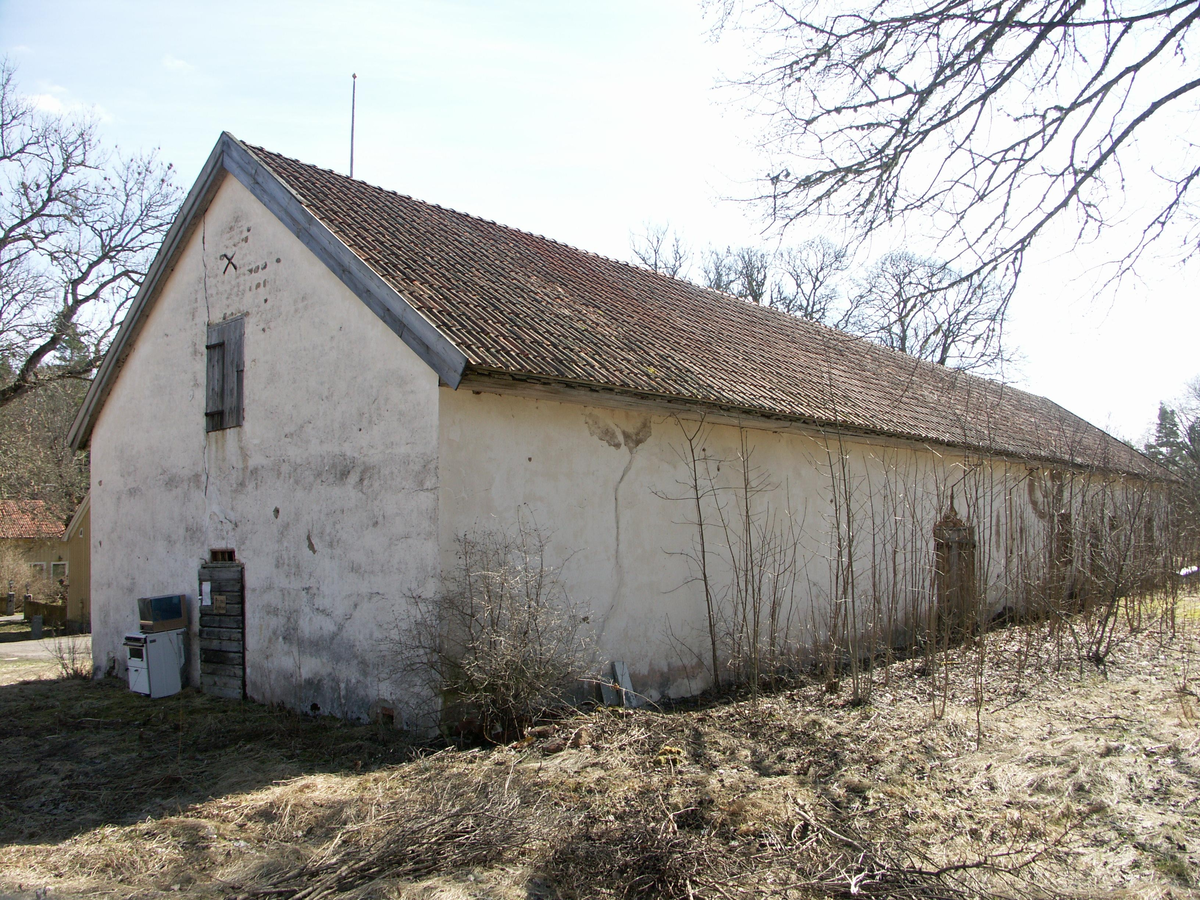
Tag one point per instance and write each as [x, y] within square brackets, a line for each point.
[574, 122]
[578, 121]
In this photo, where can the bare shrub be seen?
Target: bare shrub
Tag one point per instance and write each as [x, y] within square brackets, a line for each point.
[18, 576]
[72, 654]
[760, 542]
[503, 643]
[921, 552]
[745, 556]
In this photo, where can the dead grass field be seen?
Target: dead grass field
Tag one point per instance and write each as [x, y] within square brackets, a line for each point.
[1081, 784]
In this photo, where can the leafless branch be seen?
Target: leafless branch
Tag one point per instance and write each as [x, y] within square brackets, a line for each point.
[981, 121]
[78, 229]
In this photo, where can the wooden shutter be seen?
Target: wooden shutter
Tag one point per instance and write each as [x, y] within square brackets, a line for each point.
[214, 380]
[235, 330]
[224, 374]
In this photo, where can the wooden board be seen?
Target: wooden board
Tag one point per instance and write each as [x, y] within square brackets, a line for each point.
[621, 676]
[222, 630]
[619, 690]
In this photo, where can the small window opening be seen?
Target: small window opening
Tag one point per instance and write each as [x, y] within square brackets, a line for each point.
[219, 556]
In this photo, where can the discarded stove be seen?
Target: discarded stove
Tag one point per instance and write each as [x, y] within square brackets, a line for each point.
[155, 657]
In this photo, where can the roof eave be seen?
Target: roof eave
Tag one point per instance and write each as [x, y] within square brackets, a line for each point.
[193, 206]
[77, 519]
[477, 377]
[422, 336]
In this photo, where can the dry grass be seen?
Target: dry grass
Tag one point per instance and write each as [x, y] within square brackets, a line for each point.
[16, 667]
[1081, 784]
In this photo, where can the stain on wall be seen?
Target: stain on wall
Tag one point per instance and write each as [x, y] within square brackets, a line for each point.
[603, 430]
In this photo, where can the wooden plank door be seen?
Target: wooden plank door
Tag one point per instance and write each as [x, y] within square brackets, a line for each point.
[222, 630]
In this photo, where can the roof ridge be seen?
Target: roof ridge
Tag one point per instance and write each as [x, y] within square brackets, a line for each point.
[254, 148]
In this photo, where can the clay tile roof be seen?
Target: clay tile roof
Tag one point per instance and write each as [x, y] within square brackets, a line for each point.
[28, 519]
[521, 305]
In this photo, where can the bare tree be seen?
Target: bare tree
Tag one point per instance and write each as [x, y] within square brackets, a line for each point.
[919, 306]
[806, 281]
[78, 229]
[36, 462]
[926, 309]
[718, 270]
[800, 280]
[1176, 445]
[983, 121]
[745, 272]
[661, 249]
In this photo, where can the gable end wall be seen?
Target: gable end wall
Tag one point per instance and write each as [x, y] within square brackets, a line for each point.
[326, 492]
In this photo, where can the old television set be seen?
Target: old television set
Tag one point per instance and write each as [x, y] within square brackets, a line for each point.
[166, 613]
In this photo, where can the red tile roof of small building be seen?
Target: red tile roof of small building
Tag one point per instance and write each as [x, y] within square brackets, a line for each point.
[28, 519]
[521, 305]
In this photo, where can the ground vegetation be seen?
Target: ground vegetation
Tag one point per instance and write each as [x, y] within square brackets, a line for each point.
[1081, 783]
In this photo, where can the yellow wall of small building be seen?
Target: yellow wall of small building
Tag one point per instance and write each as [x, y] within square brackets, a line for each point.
[78, 546]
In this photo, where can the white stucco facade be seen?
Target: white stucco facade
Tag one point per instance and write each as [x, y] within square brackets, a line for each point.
[610, 487]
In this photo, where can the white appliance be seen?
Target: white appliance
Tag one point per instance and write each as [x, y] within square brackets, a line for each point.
[155, 662]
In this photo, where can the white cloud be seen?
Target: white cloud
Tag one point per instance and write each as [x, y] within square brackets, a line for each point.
[174, 64]
[56, 100]
[47, 103]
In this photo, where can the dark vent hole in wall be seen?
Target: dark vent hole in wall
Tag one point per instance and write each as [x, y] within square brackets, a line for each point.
[221, 556]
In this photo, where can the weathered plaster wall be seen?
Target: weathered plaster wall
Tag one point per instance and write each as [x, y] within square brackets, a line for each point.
[586, 478]
[611, 488]
[327, 492]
